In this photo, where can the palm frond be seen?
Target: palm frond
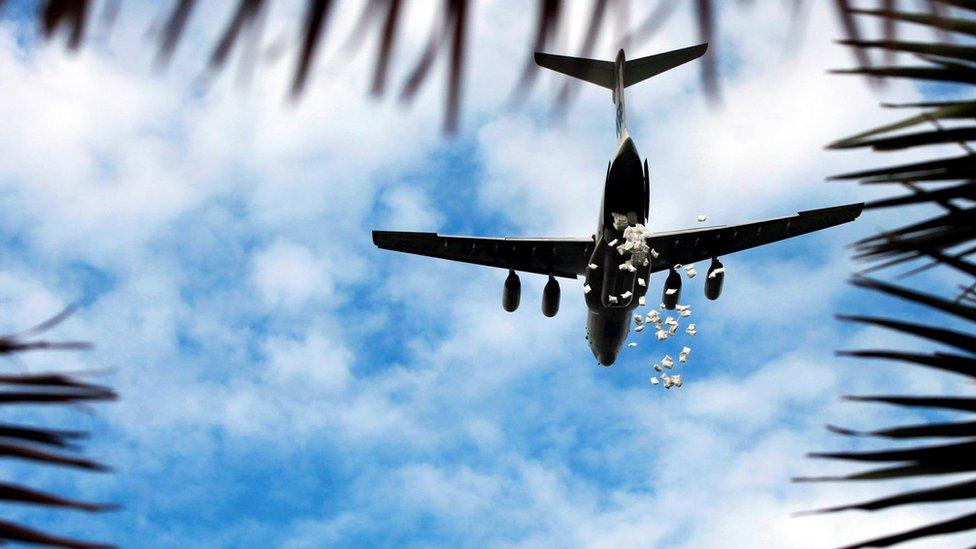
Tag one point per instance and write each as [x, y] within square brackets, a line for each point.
[950, 492]
[944, 111]
[918, 139]
[15, 532]
[927, 430]
[315, 21]
[920, 298]
[940, 361]
[942, 240]
[959, 524]
[43, 446]
[892, 473]
[243, 27]
[949, 24]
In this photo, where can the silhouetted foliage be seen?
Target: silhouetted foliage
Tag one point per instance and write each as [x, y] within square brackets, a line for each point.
[943, 240]
[45, 446]
[449, 35]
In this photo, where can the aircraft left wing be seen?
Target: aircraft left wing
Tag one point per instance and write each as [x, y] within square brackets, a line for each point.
[565, 257]
[692, 245]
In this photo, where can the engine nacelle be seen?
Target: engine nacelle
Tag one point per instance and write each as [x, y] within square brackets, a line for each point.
[673, 282]
[550, 298]
[512, 294]
[714, 279]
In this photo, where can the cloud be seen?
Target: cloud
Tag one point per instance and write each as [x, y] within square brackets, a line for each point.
[285, 383]
[289, 276]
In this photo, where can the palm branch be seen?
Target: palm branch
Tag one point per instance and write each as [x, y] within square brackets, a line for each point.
[448, 37]
[943, 240]
[42, 445]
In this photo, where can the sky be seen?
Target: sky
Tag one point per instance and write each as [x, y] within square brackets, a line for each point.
[284, 383]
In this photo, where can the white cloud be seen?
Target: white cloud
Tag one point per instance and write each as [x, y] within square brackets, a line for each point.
[289, 276]
[317, 361]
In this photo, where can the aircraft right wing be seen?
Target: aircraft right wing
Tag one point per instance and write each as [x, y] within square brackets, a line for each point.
[692, 245]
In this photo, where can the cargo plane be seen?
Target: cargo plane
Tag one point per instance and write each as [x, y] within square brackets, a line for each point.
[615, 262]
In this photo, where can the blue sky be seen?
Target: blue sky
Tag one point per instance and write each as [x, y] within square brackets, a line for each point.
[284, 383]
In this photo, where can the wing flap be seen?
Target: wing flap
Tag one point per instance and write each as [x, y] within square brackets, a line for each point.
[690, 246]
[557, 256]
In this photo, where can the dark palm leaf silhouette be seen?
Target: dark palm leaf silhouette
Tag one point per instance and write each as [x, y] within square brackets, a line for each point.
[45, 446]
[943, 240]
[449, 35]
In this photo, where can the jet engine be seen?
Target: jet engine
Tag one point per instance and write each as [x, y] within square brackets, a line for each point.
[713, 282]
[672, 290]
[512, 293]
[550, 298]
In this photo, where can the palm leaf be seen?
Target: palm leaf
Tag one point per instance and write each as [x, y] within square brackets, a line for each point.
[940, 361]
[967, 76]
[953, 338]
[896, 472]
[245, 23]
[315, 20]
[15, 532]
[34, 445]
[959, 524]
[943, 239]
[943, 305]
[949, 492]
[959, 404]
[952, 110]
[962, 26]
[958, 453]
[173, 30]
[956, 51]
[12, 492]
[964, 190]
[959, 167]
[927, 430]
[918, 139]
[50, 437]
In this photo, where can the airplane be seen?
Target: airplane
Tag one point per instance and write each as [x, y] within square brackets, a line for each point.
[617, 261]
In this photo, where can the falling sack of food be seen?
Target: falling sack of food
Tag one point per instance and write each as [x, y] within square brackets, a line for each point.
[620, 221]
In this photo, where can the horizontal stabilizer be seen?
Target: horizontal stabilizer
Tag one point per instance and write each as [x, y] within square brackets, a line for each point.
[637, 70]
[592, 70]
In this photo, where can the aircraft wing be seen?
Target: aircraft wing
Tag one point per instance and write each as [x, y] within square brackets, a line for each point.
[565, 257]
[692, 245]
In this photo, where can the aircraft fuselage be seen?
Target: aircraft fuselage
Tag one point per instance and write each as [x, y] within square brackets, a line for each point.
[615, 293]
